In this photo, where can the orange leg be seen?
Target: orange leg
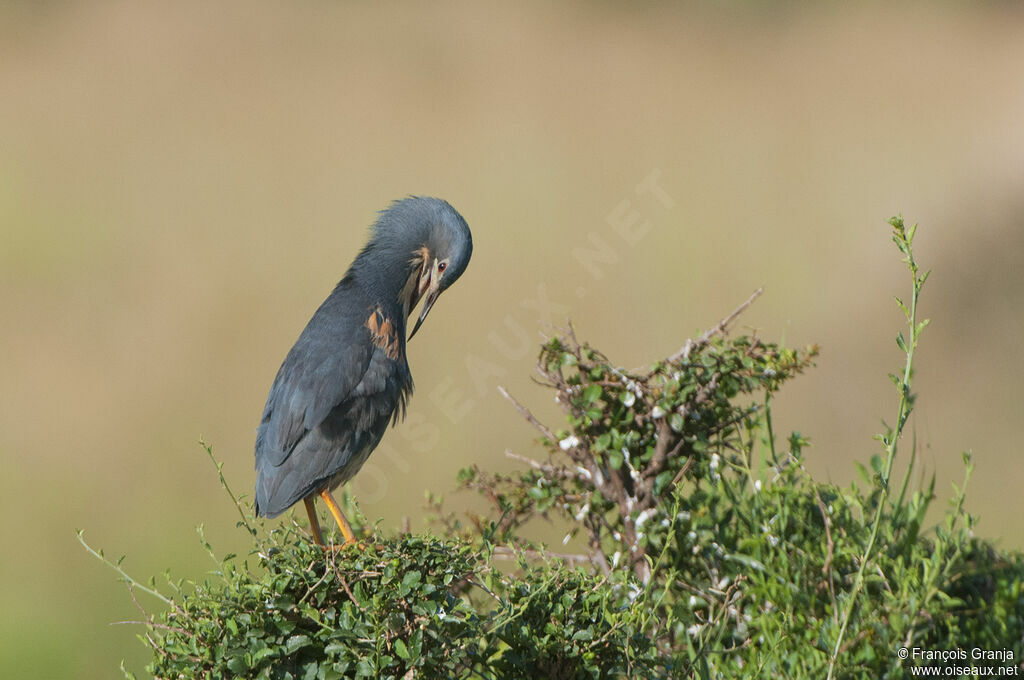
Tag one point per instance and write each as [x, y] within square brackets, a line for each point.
[339, 517]
[314, 523]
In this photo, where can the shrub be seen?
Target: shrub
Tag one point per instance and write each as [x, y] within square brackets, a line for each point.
[707, 550]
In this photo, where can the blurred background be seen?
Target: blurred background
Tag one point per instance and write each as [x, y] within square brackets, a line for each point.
[181, 184]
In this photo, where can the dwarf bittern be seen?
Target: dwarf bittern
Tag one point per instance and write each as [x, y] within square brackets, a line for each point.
[347, 376]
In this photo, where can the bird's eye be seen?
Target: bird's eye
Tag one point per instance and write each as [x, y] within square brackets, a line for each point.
[442, 266]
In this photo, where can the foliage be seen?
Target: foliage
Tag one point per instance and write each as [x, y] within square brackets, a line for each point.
[706, 550]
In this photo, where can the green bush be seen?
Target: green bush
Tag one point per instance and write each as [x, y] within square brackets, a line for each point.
[706, 550]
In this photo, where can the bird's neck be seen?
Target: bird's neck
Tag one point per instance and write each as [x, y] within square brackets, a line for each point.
[392, 285]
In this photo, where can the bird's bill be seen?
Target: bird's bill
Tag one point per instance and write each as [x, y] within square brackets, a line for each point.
[428, 301]
[429, 290]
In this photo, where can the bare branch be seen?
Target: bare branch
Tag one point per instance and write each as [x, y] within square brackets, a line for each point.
[554, 471]
[525, 412]
[682, 471]
[662, 454]
[661, 449]
[536, 465]
[691, 345]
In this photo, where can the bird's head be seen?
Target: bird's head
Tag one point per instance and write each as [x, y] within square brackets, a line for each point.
[436, 243]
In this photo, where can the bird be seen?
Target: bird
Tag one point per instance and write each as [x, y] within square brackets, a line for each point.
[347, 376]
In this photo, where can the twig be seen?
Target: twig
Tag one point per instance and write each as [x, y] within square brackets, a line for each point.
[555, 471]
[662, 453]
[535, 464]
[224, 483]
[344, 584]
[312, 588]
[525, 412]
[691, 345]
[593, 523]
[153, 624]
[830, 545]
[682, 471]
[351, 596]
[98, 554]
[131, 592]
[484, 588]
[508, 553]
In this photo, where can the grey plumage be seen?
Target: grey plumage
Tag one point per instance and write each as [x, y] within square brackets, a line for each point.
[346, 378]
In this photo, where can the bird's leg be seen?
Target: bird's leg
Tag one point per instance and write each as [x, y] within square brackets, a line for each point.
[339, 517]
[314, 523]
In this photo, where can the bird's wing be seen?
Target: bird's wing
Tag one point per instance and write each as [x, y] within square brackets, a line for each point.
[323, 368]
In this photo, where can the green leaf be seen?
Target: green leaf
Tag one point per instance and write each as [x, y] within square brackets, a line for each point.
[336, 648]
[615, 459]
[411, 578]
[261, 654]
[237, 665]
[295, 643]
[902, 306]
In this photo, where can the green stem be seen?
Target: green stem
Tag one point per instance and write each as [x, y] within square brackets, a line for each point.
[116, 566]
[904, 241]
[771, 431]
[224, 483]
